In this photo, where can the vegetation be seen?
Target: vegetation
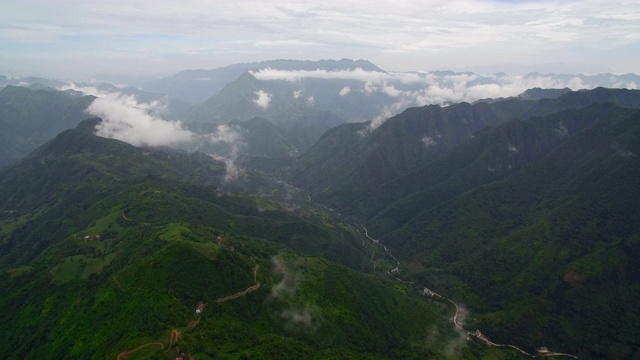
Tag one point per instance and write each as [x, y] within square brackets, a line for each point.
[109, 261]
[524, 210]
[528, 220]
[29, 117]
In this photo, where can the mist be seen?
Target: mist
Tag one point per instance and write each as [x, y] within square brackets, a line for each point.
[407, 89]
[136, 123]
[287, 286]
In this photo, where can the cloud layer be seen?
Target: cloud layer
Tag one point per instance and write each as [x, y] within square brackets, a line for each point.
[164, 36]
[405, 89]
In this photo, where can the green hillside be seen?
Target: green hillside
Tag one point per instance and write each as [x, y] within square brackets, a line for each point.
[522, 210]
[414, 139]
[29, 117]
[107, 250]
[547, 254]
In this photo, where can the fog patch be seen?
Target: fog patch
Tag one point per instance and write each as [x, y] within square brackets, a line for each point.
[429, 142]
[561, 130]
[297, 317]
[289, 282]
[263, 99]
[231, 136]
[622, 152]
[386, 112]
[311, 101]
[453, 348]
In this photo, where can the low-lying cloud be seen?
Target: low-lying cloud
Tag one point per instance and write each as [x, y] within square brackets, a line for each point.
[263, 99]
[295, 315]
[141, 124]
[355, 74]
[289, 282]
[126, 119]
[298, 316]
[405, 89]
[446, 87]
[231, 136]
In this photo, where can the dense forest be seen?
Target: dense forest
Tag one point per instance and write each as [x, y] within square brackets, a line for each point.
[512, 217]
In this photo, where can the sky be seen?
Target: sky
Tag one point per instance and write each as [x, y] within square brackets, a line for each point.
[67, 39]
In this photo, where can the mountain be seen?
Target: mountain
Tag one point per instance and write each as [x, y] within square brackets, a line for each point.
[108, 250]
[324, 97]
[28, 81]
[71, 161]
[171, 105]
[31, 116]
[247, 98]
[520, 209]
[533, 94]
[196, 86]
[348, 167]
[545, 254]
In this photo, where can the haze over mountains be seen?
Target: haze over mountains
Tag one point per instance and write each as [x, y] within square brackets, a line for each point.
[304, 98]
[257, 190]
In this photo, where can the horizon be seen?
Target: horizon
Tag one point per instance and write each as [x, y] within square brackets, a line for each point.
[123, 79]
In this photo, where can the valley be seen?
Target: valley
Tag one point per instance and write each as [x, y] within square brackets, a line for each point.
[309, 234]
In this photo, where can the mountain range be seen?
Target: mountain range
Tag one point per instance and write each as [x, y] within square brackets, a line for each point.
[519, 209]
[523, 208]
[108, 249]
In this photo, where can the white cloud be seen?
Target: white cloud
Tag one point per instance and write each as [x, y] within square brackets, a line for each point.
[297, 94]
[311, 101]
[386, 113]
[225, 134]
[561, 130]
[263, 99]
[376, 77]
[391, 90]
[440, 88]
[428, 141]
[290, 279]
[434, 87]
[231, 136]
[138, 124]
[298, 316]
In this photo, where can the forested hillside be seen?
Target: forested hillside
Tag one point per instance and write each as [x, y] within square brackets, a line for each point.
[522, 210]
[29, 117]
[108, 250]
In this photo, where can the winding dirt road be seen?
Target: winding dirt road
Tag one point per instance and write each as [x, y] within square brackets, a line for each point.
[249, 290]
[175, 334]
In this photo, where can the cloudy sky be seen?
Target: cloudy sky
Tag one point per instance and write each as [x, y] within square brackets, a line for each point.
[78, 39]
